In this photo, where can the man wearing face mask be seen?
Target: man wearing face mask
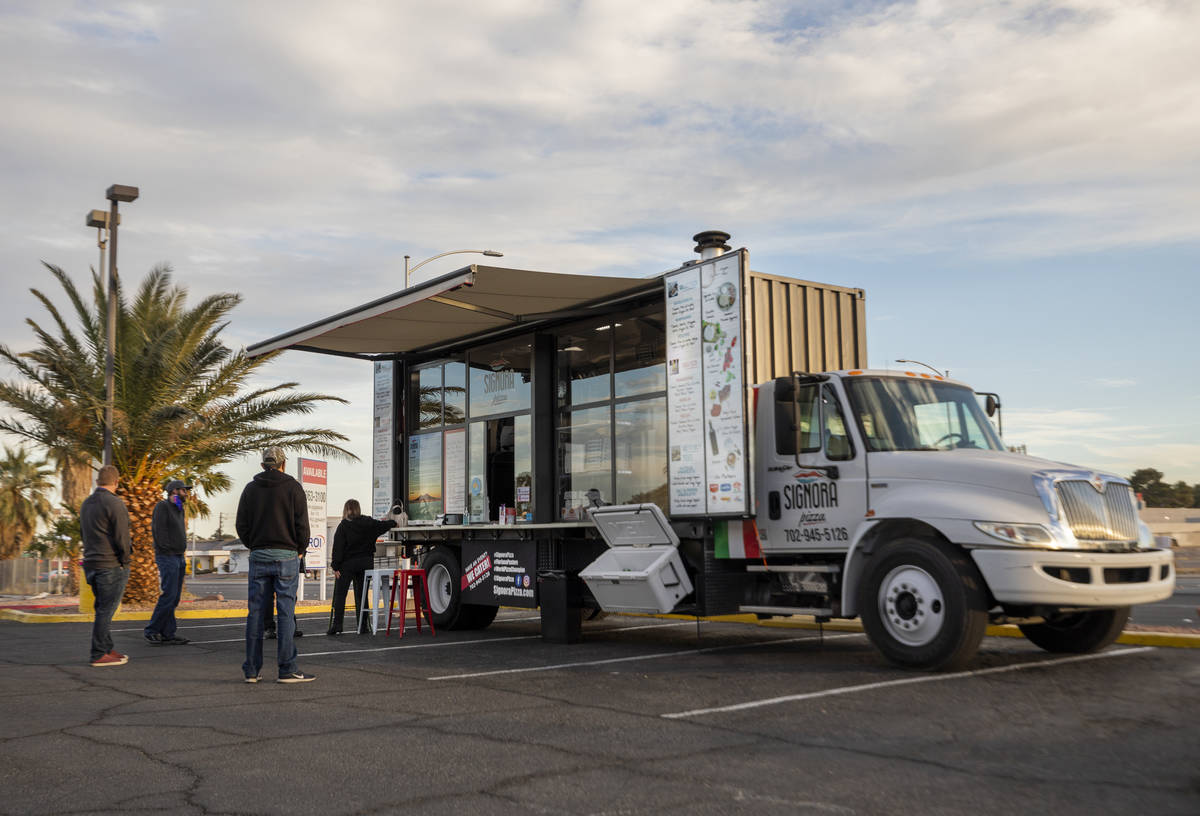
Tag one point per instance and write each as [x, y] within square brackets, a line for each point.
[169, 528]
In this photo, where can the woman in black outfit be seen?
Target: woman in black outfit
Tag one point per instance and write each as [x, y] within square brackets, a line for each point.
[353, 555]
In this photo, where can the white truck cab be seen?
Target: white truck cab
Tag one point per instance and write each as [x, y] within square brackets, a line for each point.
[889, 495]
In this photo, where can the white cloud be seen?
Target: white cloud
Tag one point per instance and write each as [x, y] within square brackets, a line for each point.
[1099, 439]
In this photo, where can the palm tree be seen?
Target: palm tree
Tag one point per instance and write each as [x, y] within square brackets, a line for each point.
[24, 485]
[182, 408]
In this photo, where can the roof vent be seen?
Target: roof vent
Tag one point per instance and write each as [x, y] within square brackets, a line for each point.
[711, 243]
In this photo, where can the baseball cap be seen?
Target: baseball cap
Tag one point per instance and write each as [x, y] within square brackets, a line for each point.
[175, 484]
[273, 456]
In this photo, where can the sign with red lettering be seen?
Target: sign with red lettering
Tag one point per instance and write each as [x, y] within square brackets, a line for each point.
[314, 479]
[313, 471]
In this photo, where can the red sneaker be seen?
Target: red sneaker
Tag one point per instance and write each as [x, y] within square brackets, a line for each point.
[111, 659]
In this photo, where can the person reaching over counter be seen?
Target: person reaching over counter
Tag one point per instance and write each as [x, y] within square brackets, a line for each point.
[353, 555]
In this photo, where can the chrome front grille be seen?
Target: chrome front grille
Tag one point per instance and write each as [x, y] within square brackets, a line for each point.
[1099, 516]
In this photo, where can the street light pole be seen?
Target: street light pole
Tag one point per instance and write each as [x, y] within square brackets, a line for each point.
[945, 373]
[116, 193]
[491, 253]
[99, 220]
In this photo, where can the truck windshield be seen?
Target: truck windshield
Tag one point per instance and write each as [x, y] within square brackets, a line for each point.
[896, 414]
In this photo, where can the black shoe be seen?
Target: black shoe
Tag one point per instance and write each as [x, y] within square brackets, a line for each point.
[298, 634]
[269, 634]
[175, 640]
[297, 677]
[333, 632]
[155, 639]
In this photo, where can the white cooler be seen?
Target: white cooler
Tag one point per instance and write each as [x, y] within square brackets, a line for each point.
[641, 571]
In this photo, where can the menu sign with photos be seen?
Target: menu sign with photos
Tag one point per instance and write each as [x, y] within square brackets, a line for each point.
[706, 388]
[381, 439]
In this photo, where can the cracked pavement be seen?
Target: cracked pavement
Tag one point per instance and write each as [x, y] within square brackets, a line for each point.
[176, 731]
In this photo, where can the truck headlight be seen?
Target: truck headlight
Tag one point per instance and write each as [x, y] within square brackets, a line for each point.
[1027, 534]
[1146, 537]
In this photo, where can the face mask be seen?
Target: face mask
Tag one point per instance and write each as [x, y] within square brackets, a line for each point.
[177, 500]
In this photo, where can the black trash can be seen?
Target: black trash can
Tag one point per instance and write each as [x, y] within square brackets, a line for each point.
[559, 595]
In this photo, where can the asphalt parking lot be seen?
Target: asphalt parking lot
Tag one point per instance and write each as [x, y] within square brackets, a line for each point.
[644, 716]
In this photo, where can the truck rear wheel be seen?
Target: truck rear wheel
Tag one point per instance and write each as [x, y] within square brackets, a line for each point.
[923, 604]
[1078, 632]
[444, 576]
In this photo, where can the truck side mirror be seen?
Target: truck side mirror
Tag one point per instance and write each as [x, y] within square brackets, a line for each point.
[990, 405]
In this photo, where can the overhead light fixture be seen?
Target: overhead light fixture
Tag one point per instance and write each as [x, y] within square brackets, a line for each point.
[606, 328]
[571, 348]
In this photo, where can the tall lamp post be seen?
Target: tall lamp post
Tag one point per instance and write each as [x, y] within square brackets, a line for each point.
[491, 253]
[115, 194]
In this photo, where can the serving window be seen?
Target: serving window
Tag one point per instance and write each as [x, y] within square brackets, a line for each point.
[612, 424]
[470, 443]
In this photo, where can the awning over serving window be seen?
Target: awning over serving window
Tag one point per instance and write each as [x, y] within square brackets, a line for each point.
[473, 301]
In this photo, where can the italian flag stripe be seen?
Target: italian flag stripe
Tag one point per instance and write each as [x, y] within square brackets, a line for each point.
[736, 539]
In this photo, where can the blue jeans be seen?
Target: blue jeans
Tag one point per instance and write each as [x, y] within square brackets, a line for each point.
[170, 584]
[108, 585]
[282, 579]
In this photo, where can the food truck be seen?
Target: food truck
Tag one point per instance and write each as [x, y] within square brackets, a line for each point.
[709, 441]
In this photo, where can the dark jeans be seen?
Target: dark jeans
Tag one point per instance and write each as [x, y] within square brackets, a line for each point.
[279, 578]
[108, 585]
[170, 584]
[337, 612]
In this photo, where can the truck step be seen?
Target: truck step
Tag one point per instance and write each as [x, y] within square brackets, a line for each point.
[787, 610]
[834, 568]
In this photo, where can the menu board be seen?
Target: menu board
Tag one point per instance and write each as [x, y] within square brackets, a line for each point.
[454, 487]
[706, 388]
[381, 438]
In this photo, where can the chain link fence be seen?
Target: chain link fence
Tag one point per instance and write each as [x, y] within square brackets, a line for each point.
[33, 576]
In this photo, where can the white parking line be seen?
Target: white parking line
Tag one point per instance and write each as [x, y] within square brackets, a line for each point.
[652, 656]
[182, 623]
[928, 678]
[241, 622]
[424, 645]
[413, 627]
[469, 642]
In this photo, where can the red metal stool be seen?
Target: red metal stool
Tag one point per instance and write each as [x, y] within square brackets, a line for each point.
[401, 579]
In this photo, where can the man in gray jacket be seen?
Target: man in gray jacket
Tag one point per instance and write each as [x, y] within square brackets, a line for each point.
[169, 528]
[107, 548]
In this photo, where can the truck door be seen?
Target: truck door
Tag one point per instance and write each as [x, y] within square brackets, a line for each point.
[814, 480]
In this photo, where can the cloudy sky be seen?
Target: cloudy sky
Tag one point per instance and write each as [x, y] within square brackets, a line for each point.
[1016, 184]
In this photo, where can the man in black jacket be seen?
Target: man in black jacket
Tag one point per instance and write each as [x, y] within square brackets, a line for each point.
[272, 521]
[107, 548]
[169, 528]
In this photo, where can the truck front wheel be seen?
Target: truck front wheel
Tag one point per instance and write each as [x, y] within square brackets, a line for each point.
[923, 604]
[444, 576]
[1078, 632]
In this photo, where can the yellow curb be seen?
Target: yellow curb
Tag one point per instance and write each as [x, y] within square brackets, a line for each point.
[1167, 639]
[21, 616]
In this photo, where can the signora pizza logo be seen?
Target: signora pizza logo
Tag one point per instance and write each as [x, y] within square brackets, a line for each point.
[808, 475]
